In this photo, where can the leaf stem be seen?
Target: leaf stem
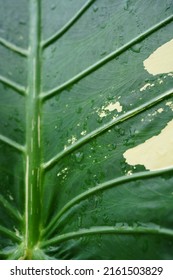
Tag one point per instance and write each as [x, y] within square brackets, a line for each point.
[108, 230]
[33, 145]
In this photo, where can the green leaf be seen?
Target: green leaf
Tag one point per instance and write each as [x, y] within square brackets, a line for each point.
[81, 115]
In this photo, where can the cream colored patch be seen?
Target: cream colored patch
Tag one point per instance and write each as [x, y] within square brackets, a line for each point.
[111, 107]
[160, 110]
[170, 104]
[114, 106]
[102, 114]
[161, 60]
[145, 87]
[161, 81]
[148, 85]
[155, 153]
[129, 173]
[83, 133]
[72, 140]
[63, 171]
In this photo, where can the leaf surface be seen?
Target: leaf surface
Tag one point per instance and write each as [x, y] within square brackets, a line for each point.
[75, 97]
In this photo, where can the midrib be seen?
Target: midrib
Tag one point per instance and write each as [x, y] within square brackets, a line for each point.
[33, 147]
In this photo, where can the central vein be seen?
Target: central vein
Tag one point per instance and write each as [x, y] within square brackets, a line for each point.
[33, 147]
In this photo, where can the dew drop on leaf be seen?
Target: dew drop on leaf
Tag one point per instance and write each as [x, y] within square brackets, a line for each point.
[103, 53]
[53, 7]
[129, 142]
[79, 110]
[117, 129]
[103, 25]
[22, 22]
[79, 156]
[99, 120]
[79, 221]
[105, 219]
[112, 147]
[126, 6]
[95, 8]
[53, 49]
[136, 48]
[122, 132]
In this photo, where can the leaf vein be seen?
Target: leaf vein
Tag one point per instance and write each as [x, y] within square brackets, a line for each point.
[67, 26]
[10, 234]
[105, 127]
[20, 89]
[12, 143]
[106, 185]
[108, 230]
[13, 47]
[101, 62]
[12, 210]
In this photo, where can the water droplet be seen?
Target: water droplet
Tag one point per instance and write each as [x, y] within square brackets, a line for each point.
[109, 97]
[99, 120]
[129, 142]
[122, 132]
[57, 97]
[69, 88]
[103, 25]
[16, 118]
[79, 110]
[136, 48]
[18, 129]
[96, 200]
[22, 22]
[126, 6]
[167, 8]
[53, 48]
[95, 8]
[123, 165]
[119, 225]
[82, 166]
[105, 219]
[117, 128]
[79, 156]
[10, 73]
[79, 221]
[112, 147]
[53, 7]
[103, 53]
[95, 179]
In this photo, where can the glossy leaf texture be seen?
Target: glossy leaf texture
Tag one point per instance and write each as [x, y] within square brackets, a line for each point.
[74, 97]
